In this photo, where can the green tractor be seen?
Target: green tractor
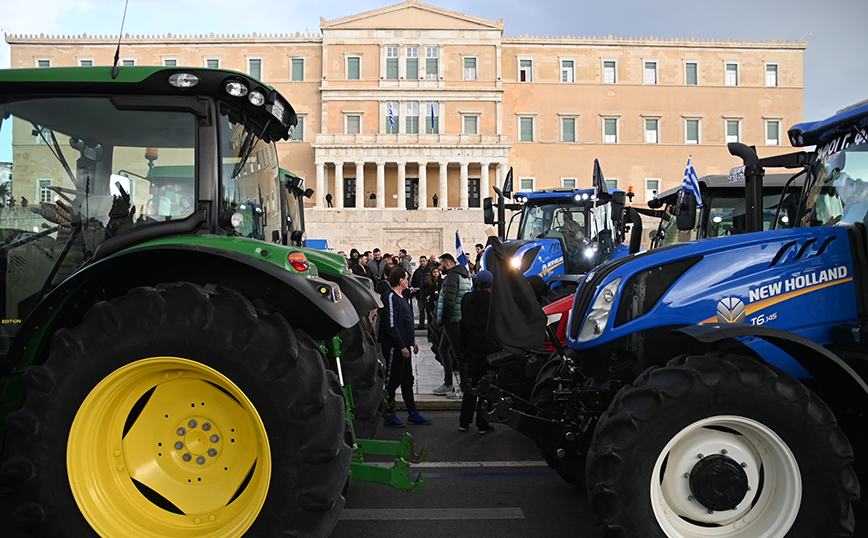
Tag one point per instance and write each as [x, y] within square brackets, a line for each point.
[169, 367]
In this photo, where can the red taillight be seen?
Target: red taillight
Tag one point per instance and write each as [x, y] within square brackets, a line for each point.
[298, 261]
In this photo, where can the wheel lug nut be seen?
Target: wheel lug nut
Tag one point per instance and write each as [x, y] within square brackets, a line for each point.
[212, 452]
[724, 452]
[187, 457]
[686, 475]
[179, 445]
[561, 453]
[200, 460]
[710, 512]
[181, 431]
[700, 455]
[206, 426]
[690, 498]
[744, 465]
[215, 438]
[192, 423]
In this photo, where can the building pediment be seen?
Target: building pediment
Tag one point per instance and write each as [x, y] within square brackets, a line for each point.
[412, 15]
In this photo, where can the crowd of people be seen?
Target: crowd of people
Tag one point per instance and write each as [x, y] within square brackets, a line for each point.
[451, 304]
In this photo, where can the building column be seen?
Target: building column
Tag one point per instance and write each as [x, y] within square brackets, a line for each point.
[502, 170]
[360, 185]
[423, 185]
[320, 185]
[381, 185]
[483, 180]
[338, 200]
[402, 185]
[444, 193]
[462, 186]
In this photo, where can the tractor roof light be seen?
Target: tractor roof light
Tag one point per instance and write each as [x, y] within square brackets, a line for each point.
[183, 80]
[236, 88]
[256, 98]
[298, 261]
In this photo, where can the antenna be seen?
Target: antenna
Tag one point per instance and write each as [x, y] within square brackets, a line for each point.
[115, 68]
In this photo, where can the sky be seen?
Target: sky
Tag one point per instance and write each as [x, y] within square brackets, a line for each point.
[837, 32]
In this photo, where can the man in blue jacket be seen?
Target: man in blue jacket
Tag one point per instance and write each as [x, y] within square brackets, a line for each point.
[397, 336]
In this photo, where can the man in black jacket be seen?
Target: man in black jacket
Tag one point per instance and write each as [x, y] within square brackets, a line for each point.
[416, 283]
[455, 284]
[398, 338]
[475, 349]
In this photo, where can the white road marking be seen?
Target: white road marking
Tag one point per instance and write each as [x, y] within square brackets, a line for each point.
[464, 464]
[419, 514]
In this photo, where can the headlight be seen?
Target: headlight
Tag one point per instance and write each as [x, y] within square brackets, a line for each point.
[183, 80]
[256, 98]
[598, 317]
[515, 262]
[236, 88]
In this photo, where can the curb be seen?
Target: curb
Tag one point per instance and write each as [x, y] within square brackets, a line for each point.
[431, 402]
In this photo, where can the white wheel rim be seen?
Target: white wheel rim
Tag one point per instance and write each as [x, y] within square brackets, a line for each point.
[769, 508]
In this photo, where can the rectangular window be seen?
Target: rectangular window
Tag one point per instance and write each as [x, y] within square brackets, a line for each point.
[652, 133]
[432, 118]
[354, 124]
[568, 71]
[254, 68]
[568, 129]
[298, 134]
[471, 126]
[733, 128]
[85, 63]
[393, 118]
[212, 63]
[469, 68]
[412, 118]
[432, 55]
[43, 63]
[773, 133]
[354, 68]
[568, 183]
[170, 62]
[525, 130]
[691, 73]
[731, 75]
[45, 194]
[610, 130]
[392, 63]
[128, 62]
[525, 184]
[610, 72]
[771, 74]
[652, 188]
[650, 73]
[611, 184]
[691, 131]
[297, 70]
[412, 63]
[525, 71]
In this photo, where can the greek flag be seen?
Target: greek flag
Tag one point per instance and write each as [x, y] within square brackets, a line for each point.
[391, 118]
[460, 256]
[691, 183]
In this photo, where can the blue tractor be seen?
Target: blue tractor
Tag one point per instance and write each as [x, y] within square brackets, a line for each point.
[718, 387]
[564, 233]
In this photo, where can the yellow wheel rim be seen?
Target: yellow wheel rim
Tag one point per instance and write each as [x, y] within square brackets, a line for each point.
[167, 447]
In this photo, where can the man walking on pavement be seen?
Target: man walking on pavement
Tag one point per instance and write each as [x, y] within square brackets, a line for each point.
[420, 275]
[398, 339]
[456, 283]
[476, 348]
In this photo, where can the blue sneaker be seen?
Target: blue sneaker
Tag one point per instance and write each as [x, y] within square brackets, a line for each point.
[394, 422]
[416, 418]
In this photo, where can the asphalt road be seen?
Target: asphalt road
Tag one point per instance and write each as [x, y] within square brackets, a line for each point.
[491, 485]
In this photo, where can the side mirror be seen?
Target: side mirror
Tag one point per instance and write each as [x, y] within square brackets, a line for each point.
[275, 236]
[488, 211]
[685, 211]
[308, 193]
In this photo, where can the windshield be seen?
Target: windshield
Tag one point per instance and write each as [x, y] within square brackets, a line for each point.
[75, 171]
[838, 187]
[252, 189]
[553, 220]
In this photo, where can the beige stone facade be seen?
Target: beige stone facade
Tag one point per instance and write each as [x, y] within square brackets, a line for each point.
[412, 101]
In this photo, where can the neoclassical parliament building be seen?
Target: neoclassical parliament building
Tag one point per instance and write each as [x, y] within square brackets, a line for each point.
[410, 103]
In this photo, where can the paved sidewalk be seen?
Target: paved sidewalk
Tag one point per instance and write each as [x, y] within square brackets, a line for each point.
[429, 375]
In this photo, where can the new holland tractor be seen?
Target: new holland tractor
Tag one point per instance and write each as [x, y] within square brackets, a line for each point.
[564, 233]
[168, 368]
[718, 387]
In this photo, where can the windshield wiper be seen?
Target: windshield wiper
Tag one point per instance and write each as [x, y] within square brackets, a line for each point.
[247, 148]
[54, 148]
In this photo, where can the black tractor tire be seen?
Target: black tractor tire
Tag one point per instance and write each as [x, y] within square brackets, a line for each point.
[720, 445]
[267, 392]
[571, 467]
[558, 293]
[366, 374]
